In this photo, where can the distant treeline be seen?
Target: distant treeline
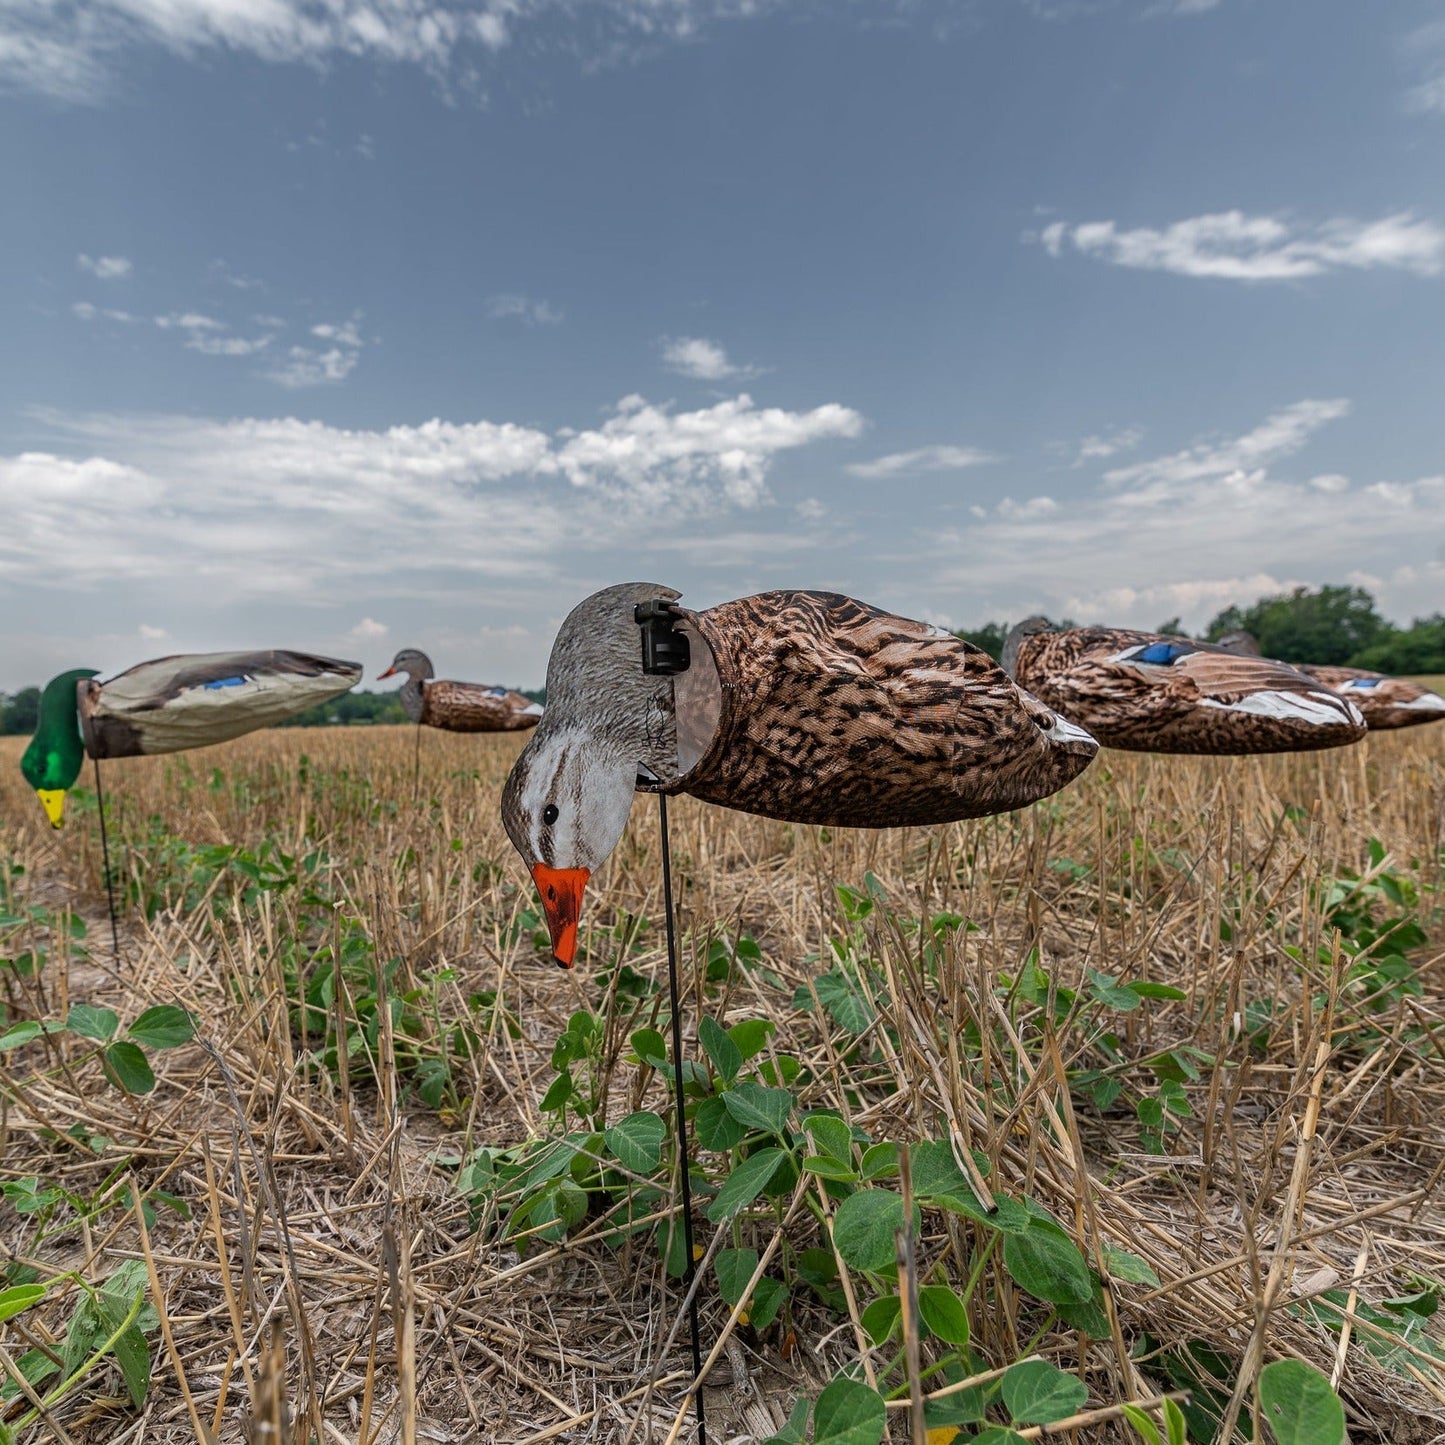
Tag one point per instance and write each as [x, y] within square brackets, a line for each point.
[19, 711]
[1331, 625]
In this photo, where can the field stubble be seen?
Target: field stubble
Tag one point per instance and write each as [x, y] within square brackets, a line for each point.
[321, 1192]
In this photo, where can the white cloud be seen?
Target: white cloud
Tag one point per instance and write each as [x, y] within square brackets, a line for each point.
[700, 359]
[152, 634]
[924, 459]
[1106, 444]
[532, 311]
[85, 311]
[369, 630]
[1192, 531]
[290, 508]
[103, 268]
[306, 366]
[228, 345]
[191, 321]
[1232, 246]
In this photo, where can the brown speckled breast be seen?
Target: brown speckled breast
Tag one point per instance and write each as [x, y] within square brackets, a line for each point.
[472, 707]
[830, 711]
[1152, 693]
[1386, 702]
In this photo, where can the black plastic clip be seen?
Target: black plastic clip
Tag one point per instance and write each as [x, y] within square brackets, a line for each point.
[665, 649]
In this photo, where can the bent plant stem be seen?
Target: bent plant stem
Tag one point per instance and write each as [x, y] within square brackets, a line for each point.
[85, 1368]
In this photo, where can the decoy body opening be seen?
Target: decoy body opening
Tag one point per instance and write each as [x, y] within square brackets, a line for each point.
[808, 707]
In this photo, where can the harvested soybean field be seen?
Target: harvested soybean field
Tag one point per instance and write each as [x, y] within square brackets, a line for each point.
[1014, 1126]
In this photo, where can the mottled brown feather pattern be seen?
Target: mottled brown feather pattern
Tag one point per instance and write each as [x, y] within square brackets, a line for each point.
[1386, 702]
[837, 713]
[1180, 707]
[472, 707]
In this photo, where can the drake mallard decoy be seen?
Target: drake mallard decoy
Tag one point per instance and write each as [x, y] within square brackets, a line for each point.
[458, 707]
[1155, 693]
[809, 707]
[168, 705]
[1384, 702]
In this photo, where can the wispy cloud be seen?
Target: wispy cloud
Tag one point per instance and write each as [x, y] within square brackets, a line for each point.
[1425, 52]
[530, 310]
[103, 268]
[238, 507]
[924, 459]
[1103, 445]
[88, 311]
[700, 359]
[1193, 530]
[331, 361]
[1232, 246]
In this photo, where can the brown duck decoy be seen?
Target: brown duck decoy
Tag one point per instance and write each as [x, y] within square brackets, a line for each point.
[1154, 693]
[458, 707]
[1385, 702]
[809, 707]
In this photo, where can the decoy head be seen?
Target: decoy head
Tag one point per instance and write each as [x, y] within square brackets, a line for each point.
[52, 762]
[1029, 627]
[567, 799]
[1244, 644]
[413, 662]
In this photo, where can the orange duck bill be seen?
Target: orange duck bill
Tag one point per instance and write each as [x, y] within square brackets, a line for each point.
[561, 892]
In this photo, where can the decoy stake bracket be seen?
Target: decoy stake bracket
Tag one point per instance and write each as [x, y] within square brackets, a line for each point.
[665, 650]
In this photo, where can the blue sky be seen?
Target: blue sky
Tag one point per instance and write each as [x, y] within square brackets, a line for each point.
[368, 323]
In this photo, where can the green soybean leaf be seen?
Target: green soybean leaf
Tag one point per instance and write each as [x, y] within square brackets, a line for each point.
[716, 1129]
[745, 1183]
[943, 1312]
[19, 1297]
[864, 1227]
[129, 1067]
[18, 1034]
[882, 1318]
[650, 1047]
[759, 1108]
[162, 1027]
[768, 1297]
[1299, 1405]
[1038, 1393]
[637, 1141]
[795, 1432]
[751, 1036]
[830, 1136]
[1044, 1261]
[1129, 1267]
[726, 1056]
[91, 1022]
[849, 1413]
[734, 1269]
[1143, 1425]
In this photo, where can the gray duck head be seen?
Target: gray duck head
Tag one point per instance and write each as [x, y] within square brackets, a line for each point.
[418, 669]
[567, 799]
[1029, 627]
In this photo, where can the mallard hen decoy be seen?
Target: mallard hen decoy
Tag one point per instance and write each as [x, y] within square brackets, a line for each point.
[1384, 702]
[1155, 693]
[168, 705]
[804, 706]
[458, 707]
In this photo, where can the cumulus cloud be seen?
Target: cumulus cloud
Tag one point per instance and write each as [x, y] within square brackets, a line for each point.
[527, 309]
[1190, 531]
[924, 459]
[701, 359]
[1106, 444]
[291, 508]
[1230, 245]
[369, 630]
[104, 268]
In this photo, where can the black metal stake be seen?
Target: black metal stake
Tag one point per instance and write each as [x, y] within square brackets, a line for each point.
[684, 1162]
[105, 860]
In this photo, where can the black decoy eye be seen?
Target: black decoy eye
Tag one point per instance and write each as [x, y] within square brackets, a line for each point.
[549, 814]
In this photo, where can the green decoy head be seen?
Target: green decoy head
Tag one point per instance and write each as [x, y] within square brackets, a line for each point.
[53, 760]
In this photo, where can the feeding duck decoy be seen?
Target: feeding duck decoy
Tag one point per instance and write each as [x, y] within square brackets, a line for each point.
[1385, 702]
[458, 707]
[808, 707]
[168, 705]
[1155, 693]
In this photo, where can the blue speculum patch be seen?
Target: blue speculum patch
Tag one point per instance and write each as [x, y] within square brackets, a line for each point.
[1161, 654]
[224, 682]
[1363, 682]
